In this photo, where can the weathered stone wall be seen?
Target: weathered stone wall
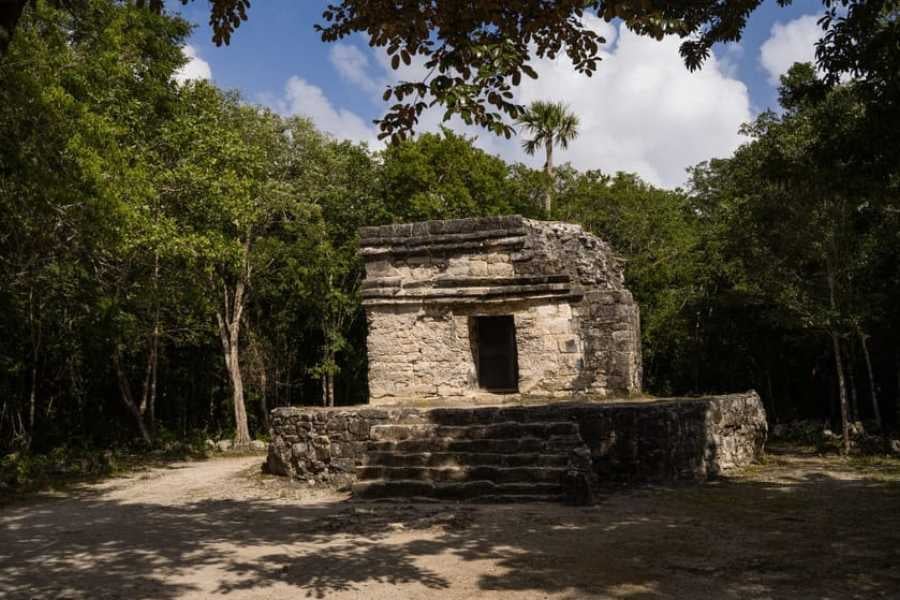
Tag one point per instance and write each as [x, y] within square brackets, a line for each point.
[321, 444]
[674, 439]
[662, 440]
[577, 327]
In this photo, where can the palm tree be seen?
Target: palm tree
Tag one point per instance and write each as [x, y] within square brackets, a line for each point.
[551, 124]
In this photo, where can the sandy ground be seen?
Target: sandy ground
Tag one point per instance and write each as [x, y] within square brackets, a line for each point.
[797, 527]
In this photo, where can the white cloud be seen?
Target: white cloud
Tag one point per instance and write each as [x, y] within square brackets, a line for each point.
[353, 66]
[730, 58]
[642, 111]
[195, 68]
[789, 43]
[303, 98]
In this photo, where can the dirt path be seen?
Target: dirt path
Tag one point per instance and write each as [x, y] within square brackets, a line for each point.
[798, 527]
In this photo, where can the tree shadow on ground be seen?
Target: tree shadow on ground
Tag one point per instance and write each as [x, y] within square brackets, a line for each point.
[807, 535]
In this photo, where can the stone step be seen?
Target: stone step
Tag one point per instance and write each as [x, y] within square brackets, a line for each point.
[464, 459]
[488, 415]
[459, 474]
[557, 444]
[515, 498]
[508, 429]
[466, 490]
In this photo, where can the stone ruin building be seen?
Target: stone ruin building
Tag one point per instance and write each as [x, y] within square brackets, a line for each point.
[469, 318]
[469, 309]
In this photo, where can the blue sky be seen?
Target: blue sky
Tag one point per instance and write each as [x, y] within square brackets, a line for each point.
[642, 112]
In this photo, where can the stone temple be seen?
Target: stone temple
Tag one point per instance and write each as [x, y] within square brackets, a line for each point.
[505, 365]
[496, 309]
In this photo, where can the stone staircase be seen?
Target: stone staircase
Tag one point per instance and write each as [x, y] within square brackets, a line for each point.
[482, 461]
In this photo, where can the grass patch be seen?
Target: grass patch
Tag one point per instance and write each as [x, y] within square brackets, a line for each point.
[882, 468]
[25, 472]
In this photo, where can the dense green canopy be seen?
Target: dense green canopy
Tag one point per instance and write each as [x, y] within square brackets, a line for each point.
[475, 53]
[175, 262]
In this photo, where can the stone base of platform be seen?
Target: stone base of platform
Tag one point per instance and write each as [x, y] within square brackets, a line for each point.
[546, 451]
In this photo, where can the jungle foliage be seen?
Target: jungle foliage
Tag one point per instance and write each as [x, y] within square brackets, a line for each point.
[175, 262]
[474, 54]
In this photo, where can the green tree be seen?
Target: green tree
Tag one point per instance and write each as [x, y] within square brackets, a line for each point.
[803, 220]
[550, 124]
[314, 269]
[347, 202]
[230, 174]
[85, 91]
[659, 240]
[475, 57]
[444, 176]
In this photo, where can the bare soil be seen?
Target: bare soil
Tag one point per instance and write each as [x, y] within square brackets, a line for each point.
[799, 526]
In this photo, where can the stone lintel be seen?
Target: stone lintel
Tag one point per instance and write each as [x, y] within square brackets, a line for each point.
[442, 227]
[499, 298]
[466, 292]
[454, 282]
[379, 252]
[430, 240]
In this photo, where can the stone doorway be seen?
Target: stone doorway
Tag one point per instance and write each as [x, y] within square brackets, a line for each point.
[497, 359]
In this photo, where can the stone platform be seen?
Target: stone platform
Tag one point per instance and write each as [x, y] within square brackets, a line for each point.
[559, 451]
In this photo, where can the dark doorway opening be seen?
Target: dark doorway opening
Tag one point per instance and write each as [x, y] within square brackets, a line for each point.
[498, 369]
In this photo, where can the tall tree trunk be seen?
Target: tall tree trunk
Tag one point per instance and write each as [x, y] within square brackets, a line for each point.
[842, 391]
[154, 345]
[148, 391]
[36, 332]
[851, 375]
[32, 401]
[128, 398]
[28, 436]
[229, 321]
[548, 171]
[241, 430]
[876, 411]
[229, 331]
[151, 408]
[838, 363]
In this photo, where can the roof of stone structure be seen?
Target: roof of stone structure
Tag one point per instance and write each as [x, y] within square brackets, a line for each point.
[447, 226]
[454, 235]
[420, 262]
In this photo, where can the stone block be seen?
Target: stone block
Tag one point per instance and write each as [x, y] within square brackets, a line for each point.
[568, 345]
[414, 261]
[446, 391]
[379, 269]
[337, 424]
[358, 427]
[342, 465]
[557, 326]
[322, 453]
[478, 268]
[501, 269]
